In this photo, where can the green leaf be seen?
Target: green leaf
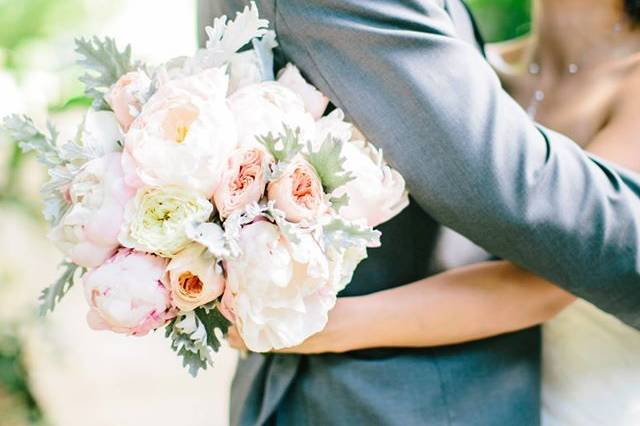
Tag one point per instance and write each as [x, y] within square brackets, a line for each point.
[106, 64]
[53, 294]
[193, 336]
[21, 129]
[284, 146]
[342, 234]
[328, 162]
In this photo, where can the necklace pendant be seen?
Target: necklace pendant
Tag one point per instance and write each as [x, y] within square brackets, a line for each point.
[534, 68]
[573, 68]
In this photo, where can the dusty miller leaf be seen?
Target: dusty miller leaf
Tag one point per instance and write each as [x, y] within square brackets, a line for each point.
[106, 64]
[284, 146]
[194, 337]
[53, 294]
[328, 162]
[226, 38]
[21, 129]
[339, 202]
[342, 234]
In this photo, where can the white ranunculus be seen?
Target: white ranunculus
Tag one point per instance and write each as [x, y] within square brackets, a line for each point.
[183, 136]
[278, 293]
[156, 219]
[268, 107]
[378, 192]
[88, 233]
[195, 278]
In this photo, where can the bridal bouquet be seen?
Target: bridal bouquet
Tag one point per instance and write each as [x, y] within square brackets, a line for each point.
[204, 192]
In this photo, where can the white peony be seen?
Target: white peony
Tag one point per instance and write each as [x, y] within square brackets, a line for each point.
[156, 219]
[183, 136]
[267, 107]
[314, 101]
[278, 293]
[343, 264]
[88, 233]
[377, 193]
[100, 133]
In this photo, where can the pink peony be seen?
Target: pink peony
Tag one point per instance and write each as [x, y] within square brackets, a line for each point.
[88, 233]
[128, 294]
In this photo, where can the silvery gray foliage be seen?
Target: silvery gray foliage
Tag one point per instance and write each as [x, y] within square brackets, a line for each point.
[105, 65]
[51, 295]
[226, 38]
[21, 129]
[342, 234]
[329, 164]
[196, 335]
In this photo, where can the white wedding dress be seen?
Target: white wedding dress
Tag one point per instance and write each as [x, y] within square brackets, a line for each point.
[591, 360]
[591, 369]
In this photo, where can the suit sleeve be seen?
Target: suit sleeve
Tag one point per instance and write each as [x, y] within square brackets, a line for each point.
[470, 155]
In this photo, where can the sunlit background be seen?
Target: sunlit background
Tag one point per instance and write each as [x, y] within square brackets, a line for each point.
[55, 371]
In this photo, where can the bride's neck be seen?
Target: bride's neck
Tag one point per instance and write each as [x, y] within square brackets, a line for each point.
[565, 30]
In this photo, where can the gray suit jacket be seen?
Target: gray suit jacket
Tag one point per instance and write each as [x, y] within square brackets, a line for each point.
[412, 79]
[472, 158]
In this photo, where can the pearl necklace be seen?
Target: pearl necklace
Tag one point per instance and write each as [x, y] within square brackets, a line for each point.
[572, 69]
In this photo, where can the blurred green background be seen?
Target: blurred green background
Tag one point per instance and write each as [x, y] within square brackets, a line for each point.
[37, 77]
[502, 19]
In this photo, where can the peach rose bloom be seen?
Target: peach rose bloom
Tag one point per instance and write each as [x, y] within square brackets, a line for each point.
[243, 181]
[298, 192]
[124, 98]
[194, 279]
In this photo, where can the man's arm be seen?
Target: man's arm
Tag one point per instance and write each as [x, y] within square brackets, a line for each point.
[470, 155]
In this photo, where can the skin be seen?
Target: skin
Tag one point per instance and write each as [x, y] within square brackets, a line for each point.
[599, 108]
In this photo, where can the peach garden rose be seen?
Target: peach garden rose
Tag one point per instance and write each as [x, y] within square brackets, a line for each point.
[194, 278]
[126, 96]
[243, 181]
[298, 192]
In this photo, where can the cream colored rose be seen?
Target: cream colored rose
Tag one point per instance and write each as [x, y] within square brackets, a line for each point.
[243, 181]
[155, 220]
[314, 101]
[194, 278]
[298, 192]
[126, 96]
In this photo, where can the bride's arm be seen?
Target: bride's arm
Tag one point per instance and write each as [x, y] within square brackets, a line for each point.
[461, 305]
